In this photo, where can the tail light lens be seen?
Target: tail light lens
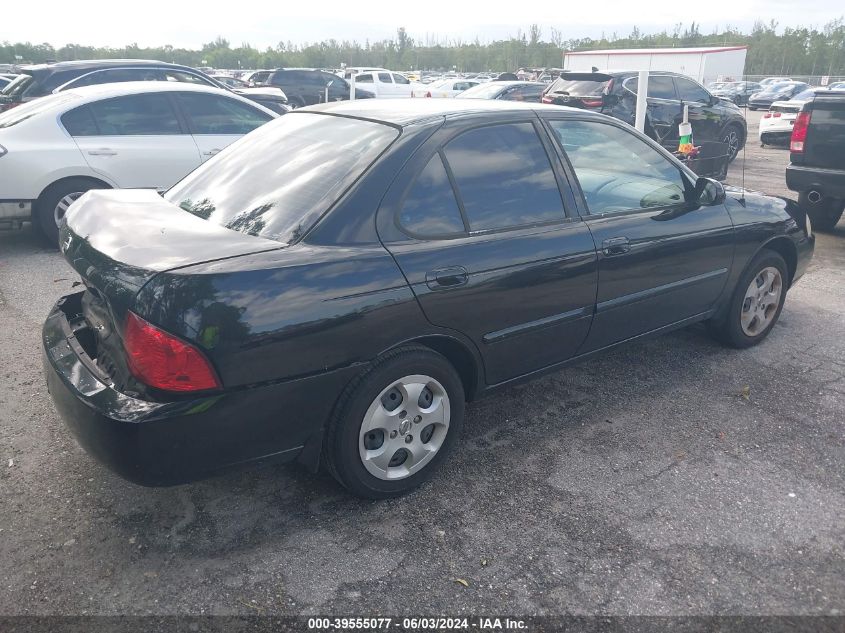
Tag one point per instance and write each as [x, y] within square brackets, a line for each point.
[799, 132]
[776, 115]
[768, 115]
[547, 99]
[591, 103]
[161, 360]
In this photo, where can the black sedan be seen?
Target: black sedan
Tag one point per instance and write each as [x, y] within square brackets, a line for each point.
[334, 288]
[737, 92]
[783, 91]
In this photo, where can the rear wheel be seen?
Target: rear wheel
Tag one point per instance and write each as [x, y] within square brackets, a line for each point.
[756, 303]
[734, 136]
[395, 424]
[824, 214]
[51, 207]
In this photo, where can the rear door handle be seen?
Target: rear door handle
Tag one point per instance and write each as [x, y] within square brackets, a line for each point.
[615, 246]
[446, 278]
[103, 151]
[211, 152]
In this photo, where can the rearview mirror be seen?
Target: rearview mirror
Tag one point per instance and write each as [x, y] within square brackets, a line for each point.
[708, 192]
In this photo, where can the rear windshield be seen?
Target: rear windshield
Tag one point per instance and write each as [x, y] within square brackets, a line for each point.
[481, 91]
[577, 87]
[32, 108]
[277, 182]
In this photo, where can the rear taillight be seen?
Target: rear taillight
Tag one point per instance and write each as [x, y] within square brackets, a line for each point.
[591, 103]
[547, 99]
[161, 360]
[768, 115]
[799, 132]
[775, 115]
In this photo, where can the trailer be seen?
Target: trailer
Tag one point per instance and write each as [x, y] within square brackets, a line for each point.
[704, 63]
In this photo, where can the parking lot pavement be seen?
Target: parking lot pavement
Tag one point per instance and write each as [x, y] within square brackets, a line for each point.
[672, 477]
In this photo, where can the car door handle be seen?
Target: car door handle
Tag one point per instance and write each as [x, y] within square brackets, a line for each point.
[446, 278]
[103, 151]
[615, 246]
[212, 152]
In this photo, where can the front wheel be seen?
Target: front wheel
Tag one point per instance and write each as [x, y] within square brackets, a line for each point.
[395, 424]
[756, 303]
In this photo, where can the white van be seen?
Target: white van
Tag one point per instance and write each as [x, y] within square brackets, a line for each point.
[386, 83]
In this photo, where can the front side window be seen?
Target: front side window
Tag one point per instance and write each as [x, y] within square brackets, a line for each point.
[213, 114]
[133, 115]
[617, 171]
[504, 177]
[400, 79]
[384, 78]
[276, 184]
[691, 92]
[430, 208]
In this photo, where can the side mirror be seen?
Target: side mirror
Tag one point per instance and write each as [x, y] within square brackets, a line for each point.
[708, 192]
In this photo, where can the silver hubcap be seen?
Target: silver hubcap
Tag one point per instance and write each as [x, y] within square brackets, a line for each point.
[64, 203]
[761, 301]
[404, 427]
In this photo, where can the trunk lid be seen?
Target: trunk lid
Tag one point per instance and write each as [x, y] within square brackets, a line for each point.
[117, 240]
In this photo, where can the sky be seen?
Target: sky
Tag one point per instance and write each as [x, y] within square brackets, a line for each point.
[265, 23]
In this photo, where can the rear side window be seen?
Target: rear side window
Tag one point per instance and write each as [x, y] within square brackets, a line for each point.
[504, 177]
[578, 87]
[659, 87]
[115, 75]
[430, 208]
[213, 114]
[79, 122]
[135, 115]
[286, 178]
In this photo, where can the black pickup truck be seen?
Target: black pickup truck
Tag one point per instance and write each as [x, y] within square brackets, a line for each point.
[817, 158]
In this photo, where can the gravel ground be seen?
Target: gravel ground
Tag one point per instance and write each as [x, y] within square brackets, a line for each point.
[641, 483]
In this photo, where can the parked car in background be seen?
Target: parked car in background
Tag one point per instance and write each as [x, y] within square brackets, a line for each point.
[817, 158]
[615, 93]
[445, 88]
[304, 86]
[386, 83]
[773, 80]
[782, 91]
[736, 91]
[44, 79]
[776, 124]
[256, 77]
[407, 260]
[231, 82]
[837, 86]
[529, 91]
[132, 134]
[6, 79]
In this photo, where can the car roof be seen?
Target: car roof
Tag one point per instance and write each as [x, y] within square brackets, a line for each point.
[404, 112]
[138, 87]
[84, 64]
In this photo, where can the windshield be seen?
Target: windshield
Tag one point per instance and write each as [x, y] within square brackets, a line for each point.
[777, 88]
[483, 91]
[278, 183]
[27, 110]
[806, 95]
[578, 87]
[15, 89]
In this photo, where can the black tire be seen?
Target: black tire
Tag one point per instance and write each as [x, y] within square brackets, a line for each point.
[45, 206]
[341, 447]
[825, 214]
[731, 129]
[729, 330]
